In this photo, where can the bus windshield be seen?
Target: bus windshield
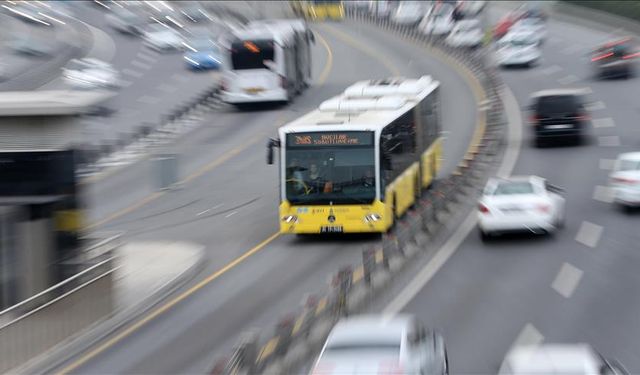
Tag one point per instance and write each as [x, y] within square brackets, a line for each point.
[330, 168]
[251, 54]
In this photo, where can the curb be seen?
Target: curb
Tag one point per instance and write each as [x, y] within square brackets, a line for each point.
[89, 337]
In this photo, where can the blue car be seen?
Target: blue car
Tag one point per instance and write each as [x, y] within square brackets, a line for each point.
[202, 54]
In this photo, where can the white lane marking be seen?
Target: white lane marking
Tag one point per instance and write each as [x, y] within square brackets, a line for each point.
[514, 139]
[528, 336]
[167, 88]
[589, 234]
[568, 79]
[596, 106]
[231, 214]
[552, 69]
[603, 194]
[146, 99]
[131, 72]
[141, 64]
[145, 56]
[609, 141]
[607, 164]
[567, 280]
[210, 209]
[603, 122]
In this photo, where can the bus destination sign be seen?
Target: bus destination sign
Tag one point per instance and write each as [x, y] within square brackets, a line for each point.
[330, 139]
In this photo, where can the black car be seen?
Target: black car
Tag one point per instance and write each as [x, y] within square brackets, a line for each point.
[615, 59]
[558, 115]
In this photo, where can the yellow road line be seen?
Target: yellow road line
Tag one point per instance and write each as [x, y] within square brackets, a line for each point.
[322, 78]
[128, 331]
[297, 325]
[358, 45]
[117, 338]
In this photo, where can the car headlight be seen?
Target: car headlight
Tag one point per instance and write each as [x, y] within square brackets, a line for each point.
[372, 218]
[290, 219]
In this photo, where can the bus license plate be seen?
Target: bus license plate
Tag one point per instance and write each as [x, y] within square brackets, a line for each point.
[331, 229]
[254, 90]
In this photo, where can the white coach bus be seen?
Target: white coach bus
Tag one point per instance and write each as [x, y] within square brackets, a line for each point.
[269, 61]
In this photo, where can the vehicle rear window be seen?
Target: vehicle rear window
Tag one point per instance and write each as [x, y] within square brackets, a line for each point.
[511, 188]
[251, 54]
[557, 104]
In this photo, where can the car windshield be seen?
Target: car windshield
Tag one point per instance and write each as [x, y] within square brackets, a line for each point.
[629, 165]
[512, 188]
[336, 173]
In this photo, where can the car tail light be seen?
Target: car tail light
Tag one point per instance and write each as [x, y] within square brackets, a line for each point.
[544, 208]
[534, 119]
[483, 209]
[631, 56]
[625, 180]
[223, 85]
[600, 57]
[583, 117]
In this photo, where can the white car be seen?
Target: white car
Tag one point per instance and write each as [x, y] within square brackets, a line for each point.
[518, 48]
[520, 204]
[466, 33]
[438, 21]
[408, 13]
[91, 73]
[471, 8]
[163, 38]
[372, 344]
[558, 359]
[535, 26]
[625, 180]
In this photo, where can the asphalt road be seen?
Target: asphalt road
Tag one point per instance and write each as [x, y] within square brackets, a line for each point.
[577, 286]
[153, 83]
[229, 204]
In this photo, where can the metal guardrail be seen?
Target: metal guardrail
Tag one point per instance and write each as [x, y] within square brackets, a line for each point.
[35, 325]
[297, 337]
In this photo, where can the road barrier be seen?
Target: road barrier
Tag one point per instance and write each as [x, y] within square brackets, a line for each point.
[352, 288]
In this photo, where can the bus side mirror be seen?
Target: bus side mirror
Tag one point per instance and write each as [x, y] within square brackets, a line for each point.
[312, 37]
[270, 145]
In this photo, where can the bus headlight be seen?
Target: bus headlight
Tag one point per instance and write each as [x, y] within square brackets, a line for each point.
[289, 219]
[372, 218]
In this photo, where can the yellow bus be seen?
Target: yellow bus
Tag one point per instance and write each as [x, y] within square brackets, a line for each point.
[362, 159]
[318, 9]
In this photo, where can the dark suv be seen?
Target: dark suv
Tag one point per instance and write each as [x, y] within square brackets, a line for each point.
[615, 59]
[558, 114]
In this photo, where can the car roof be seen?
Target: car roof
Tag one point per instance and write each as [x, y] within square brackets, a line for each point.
[560, 92]
[552, 359]
[365, 328]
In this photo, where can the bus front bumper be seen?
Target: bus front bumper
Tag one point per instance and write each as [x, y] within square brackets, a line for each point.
[334, 219]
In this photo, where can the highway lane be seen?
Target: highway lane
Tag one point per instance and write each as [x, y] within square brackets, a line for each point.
[241, 196]
[572, 287]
